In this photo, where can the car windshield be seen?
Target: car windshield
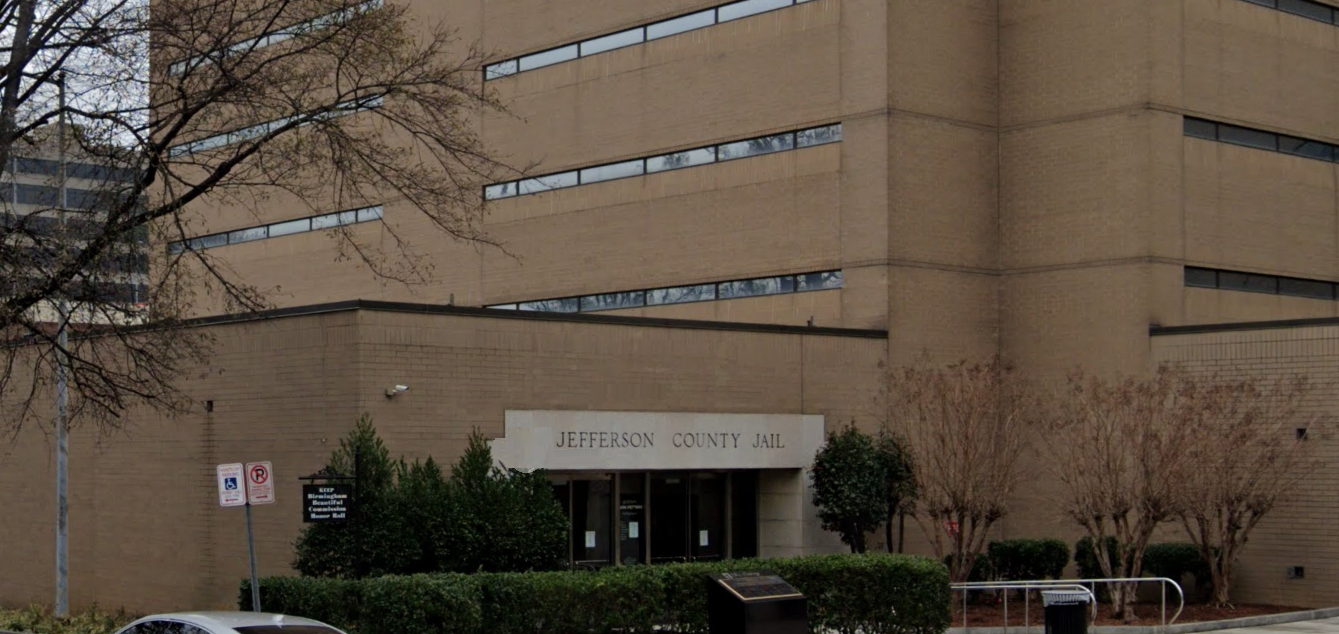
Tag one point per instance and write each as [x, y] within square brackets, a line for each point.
[285, 629]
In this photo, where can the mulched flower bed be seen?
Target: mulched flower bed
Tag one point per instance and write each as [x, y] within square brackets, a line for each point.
[982, 615]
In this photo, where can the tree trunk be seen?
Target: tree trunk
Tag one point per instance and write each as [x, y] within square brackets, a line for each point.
[901, 531]
[1125, 602]
[1221, 572]
[888, 533]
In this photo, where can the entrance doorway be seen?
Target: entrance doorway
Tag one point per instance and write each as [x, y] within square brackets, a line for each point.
[659, 516]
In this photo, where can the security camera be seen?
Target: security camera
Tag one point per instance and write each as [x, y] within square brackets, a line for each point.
[402, 388]
[392, 391]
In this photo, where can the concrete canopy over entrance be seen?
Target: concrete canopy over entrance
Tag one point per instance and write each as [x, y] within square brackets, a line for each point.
[781, 446]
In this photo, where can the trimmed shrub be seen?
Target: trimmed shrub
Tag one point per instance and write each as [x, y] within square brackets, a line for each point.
[874, 594]
[432, 604]
[1174, 560]
[1029, 559]
[614, 600]
[1085, 557]
[982, 568]
[333, 601]
[870, 594]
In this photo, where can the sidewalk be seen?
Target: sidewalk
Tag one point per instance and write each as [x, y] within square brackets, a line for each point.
[1323, 626]
[1323, 621]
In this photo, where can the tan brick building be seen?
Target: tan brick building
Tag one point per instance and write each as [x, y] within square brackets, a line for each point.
[822, 188]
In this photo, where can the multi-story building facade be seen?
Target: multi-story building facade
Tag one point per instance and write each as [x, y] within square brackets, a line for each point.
[763, 205]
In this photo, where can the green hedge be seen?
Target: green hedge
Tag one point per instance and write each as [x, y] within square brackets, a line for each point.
[620, 599]
[873, 594]
[1029, 559]
[1174, 560]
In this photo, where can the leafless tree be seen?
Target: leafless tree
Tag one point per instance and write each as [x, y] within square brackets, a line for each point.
[1244, 457]
[191, 104]
[966, 425]
[1118, 446]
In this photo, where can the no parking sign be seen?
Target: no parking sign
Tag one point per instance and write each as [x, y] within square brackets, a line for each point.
[259, 483]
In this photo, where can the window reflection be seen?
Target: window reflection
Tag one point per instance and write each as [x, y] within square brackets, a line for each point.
[822, 280]
[701, 19]
[301, 225]
[679, 160]
[545, 183]
[565, 305]
[611, 172]
[681, 294]
[762, 286]
[501, 190]
[754, 147]
[1247, 137]
[819, 136]
[247, 235]
[290, 227]
[818, 281]
[750, 7]
[611, 301]
[548, 58]
[1303, 147]
[1253, 282]
[674, 160]
[501, 69]
[613, 41]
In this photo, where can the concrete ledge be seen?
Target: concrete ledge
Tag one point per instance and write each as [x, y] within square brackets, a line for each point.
[1176, 628]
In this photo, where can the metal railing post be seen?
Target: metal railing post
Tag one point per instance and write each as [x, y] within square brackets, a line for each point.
[1086, 586]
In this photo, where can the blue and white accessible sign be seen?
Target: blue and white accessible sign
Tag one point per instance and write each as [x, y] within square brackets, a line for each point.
[232, 490]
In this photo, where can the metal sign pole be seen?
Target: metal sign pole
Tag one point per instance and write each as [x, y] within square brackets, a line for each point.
[251, 547]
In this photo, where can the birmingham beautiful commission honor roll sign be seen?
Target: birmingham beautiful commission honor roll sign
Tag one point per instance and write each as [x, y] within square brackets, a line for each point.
[326, 502]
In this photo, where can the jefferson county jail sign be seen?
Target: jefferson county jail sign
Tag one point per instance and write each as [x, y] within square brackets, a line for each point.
[576, 440]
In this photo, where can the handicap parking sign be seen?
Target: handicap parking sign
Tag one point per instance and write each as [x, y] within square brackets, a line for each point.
[230, 484]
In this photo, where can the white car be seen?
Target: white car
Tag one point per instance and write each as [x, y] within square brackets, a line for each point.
[227, 623]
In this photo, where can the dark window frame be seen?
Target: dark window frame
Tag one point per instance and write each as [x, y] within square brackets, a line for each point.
[1282, 285]
[512, 188]
[715, 286]
[1197, 128]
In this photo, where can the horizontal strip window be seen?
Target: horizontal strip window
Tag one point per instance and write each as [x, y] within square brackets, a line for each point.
[1260, 139]
[259, 130]
[45, 226]
[281, 35]
[1305, 8]
[86, 171]
[1258, 283]
[733, 289]
[785, 141]
[84, 290]
[629, 37]
[49, 196]
[275, 230]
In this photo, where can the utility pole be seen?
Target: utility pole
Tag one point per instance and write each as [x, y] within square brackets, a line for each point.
[62, 430]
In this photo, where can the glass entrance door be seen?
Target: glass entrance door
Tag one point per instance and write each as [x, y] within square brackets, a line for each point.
[669, 528]
[687, 517]
[706, 515]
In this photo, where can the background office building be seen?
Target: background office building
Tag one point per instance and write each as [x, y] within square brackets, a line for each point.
[744, 214]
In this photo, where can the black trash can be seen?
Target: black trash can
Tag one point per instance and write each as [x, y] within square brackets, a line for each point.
[1066, 611]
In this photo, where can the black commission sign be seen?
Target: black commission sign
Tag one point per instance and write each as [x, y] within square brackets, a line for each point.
[326, 502]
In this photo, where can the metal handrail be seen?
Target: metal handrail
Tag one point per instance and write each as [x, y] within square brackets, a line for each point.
[1024, 586]
[1060, 584]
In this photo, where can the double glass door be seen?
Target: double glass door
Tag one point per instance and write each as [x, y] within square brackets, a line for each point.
[659, 516]
[688, 516]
